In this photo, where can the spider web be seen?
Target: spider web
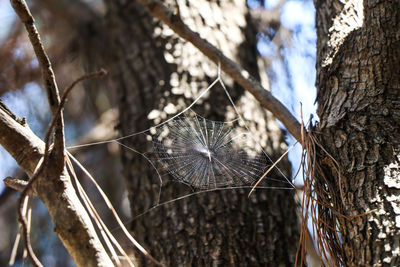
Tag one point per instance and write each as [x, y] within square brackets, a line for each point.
[206, 155]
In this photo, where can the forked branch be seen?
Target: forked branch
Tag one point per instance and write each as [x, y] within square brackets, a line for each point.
[55, 188]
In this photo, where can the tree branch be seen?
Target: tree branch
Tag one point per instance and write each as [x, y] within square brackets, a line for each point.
[19, 140]
[157, 9]
[50, 180]
[72, 223]
[49, 80]
[57, 172]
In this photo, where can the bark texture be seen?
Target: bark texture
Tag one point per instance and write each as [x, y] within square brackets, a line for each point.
[156, 71]
[358, 81]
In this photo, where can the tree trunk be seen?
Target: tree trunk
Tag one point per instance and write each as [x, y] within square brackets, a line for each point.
[154, 69]
[358, 81]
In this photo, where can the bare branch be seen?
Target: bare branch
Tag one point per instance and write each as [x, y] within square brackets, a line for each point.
[157, 9]
[72, 223]
[56, 118]
[56, 107]
[91, 75]
[53, 96]
[19, 140]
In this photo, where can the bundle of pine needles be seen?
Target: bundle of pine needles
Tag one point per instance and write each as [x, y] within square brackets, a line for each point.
[321, 202]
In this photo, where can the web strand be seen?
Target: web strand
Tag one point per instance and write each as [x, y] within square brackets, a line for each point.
[198, 193]
[245, 124]
[155, 126]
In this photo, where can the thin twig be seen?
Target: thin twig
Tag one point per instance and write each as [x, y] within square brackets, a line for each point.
[114, 212]
[270, 169]
[96, 74]
[107, 235]
[22, 216]
[157, 9]
[15, 183]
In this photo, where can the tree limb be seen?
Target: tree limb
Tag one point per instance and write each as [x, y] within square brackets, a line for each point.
[50, 179]
[46, 158]
[72, 223]
[49, 80]
[157, 9]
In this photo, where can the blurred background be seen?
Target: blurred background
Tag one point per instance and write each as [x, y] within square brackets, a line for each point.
[286, 41]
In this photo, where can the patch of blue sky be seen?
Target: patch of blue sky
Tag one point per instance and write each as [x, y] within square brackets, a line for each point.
[31, 103]
[299, 16]
[253, 3]
[298, 13]
[7, 17]
[267, 49]
[293, 79]
[34, 63]
[7, 165]
[270, 4]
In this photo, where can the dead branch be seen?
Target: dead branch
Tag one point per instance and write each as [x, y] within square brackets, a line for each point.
[57, 117]
[72, 224]
[49, 80]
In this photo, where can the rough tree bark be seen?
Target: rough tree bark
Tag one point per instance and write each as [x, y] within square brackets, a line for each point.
[358, 80]
[154, 69]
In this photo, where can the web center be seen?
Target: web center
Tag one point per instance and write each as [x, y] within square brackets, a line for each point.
[205, 152]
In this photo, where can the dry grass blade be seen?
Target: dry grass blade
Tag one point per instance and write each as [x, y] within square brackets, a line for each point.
[22, 214]
[321, 203]
[270, 169]
[111, 208]
[106, 234]
[18, 237]
[29, 216]
[14, 249]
